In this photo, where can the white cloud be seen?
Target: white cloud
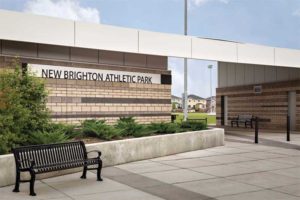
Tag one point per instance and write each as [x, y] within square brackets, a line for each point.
[201, 2]
[68, 9]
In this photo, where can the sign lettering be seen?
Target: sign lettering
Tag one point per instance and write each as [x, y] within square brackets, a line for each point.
[74, 73]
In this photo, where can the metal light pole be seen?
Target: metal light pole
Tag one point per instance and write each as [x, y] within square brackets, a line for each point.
[185, 67]
[210, 69]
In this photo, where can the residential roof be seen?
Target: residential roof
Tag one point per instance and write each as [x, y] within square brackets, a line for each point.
[175, 97]
[26, 27]
[213, 97]
[192, 96]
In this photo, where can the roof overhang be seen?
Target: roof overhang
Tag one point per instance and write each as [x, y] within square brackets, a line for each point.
[48, 30]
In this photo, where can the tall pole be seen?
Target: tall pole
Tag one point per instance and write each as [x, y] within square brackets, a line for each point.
[185, 67]
[210, 69]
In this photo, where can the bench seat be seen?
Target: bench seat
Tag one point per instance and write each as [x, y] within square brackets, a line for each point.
[38, 159]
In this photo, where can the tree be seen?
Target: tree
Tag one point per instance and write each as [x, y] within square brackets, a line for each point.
[22, 107]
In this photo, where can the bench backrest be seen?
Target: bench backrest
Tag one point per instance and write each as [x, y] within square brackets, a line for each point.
[245, 117]
[50, 154]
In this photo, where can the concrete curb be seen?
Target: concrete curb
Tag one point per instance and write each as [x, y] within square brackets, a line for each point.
[129, 150]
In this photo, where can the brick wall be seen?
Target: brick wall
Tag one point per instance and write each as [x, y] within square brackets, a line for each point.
[73, 101]
[271, 104]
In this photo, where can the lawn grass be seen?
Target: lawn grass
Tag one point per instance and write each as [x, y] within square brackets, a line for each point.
[210, 118]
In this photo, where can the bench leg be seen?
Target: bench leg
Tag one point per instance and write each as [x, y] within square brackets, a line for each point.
[32, 180]
[84, 172]
[99, 171]
[17, 184]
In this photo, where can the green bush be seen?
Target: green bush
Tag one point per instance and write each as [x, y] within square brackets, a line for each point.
[129, 127]
[52, 133]
[22, 107]
[164, 127]
[43, 137]
[193, 125]
[69, 130]
[98, 128]
[144, 132]
[8, 141]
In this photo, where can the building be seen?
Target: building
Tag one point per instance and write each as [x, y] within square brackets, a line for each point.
[268, 92]
[211, 104]
[196, 103]
[105, 72]
[87, 82]
[177, 101]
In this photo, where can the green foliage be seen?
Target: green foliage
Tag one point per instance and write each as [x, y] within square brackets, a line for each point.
[129, 127]
[22, 107]
[44, 137]
[193, 125]
[144, 132]
[98, 128]
[164, 127]
[8, 140]
[67, 129]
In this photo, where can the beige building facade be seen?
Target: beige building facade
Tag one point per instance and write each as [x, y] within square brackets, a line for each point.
[271, 72]
[268, 92]
[196, 103]
[73, 99]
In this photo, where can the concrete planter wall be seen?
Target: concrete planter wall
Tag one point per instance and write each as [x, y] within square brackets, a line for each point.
[129, 150]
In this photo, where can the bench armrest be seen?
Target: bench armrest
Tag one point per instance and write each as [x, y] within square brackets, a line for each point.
[95, 151]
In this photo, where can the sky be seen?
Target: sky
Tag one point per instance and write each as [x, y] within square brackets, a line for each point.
[267, 22]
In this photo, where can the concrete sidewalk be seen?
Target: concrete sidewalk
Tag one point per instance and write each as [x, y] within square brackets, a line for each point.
[240, 170]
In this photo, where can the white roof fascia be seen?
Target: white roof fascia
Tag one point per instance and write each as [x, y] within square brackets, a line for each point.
[209, 49]
[106, 37]
[38, 29]
[26, 27]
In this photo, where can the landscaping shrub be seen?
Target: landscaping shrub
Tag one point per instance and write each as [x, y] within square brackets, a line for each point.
[164, 127]
[129, 127]
[44, 137]
[98, 128]
[52, 133]
[144, 132]
[193, 125]
[69, 130]
[9, 140]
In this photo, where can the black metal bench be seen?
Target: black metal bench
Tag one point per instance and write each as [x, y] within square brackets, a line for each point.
[245, 119]
[39, 159]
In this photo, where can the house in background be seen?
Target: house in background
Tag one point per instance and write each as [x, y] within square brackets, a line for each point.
[211, 104]
[176, 102]
[196, 103]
